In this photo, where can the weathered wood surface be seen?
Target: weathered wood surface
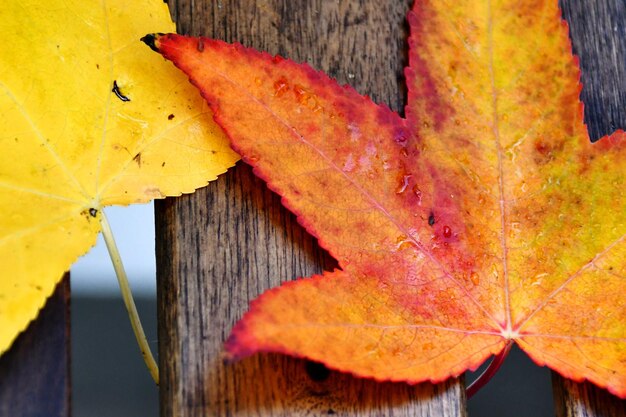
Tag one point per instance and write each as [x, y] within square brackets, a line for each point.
[584, 400]
[232, 240]
[224, 245]
[598, 37]
[35, 372]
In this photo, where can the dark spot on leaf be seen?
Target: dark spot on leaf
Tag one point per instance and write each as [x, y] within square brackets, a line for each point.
[118, 93]
[317, 371]
[431, 219]
[93, 212]
[200, 45]
[98, 66]
[170, 117]
[137, 159]
[38, 287]
[543, 148]
[163, 164]
[330, 411]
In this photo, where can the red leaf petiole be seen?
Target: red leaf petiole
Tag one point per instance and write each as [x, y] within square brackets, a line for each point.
[488, 373]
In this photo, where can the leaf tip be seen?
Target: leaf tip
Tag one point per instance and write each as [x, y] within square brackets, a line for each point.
[150, 40]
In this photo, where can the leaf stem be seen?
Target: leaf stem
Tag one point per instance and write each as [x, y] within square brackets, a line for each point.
[128, 298]
[488, 373]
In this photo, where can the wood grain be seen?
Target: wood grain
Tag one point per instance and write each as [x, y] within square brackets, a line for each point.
[226, 244]
[599, 39]
[35, 372]
[572, 399]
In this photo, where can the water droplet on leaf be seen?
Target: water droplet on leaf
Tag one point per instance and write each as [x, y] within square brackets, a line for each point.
[281, 86]
[418, 194]
[404, 183]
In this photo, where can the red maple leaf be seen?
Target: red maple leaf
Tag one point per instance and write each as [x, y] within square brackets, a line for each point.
[484, 217]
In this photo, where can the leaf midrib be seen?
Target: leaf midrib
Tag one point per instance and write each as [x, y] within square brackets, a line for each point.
[498, 145]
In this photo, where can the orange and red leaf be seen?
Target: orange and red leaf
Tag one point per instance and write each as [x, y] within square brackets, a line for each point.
[484, 216]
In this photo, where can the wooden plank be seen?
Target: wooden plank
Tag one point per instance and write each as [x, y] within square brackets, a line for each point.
[224, 245]
[573, 399]
[599, 39]
[35, 372]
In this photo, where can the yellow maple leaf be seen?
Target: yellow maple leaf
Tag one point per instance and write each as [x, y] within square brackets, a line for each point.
[88, 118]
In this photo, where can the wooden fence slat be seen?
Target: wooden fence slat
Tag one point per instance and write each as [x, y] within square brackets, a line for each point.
[35, 371]
[598, 37]
[573, 399]
[224, 245]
